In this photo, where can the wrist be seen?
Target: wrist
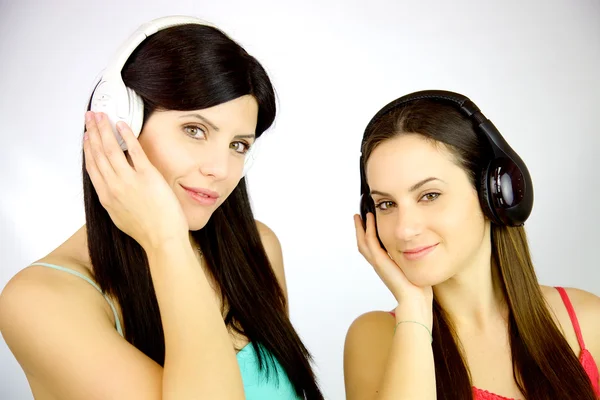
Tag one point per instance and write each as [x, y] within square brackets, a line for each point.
[414, 312]
[160, 246]
[420, 328]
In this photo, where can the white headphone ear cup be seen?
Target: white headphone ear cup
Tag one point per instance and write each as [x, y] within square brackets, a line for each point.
[105, 100]
[136, 112]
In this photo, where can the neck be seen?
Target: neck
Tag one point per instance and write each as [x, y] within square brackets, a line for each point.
[474, 298]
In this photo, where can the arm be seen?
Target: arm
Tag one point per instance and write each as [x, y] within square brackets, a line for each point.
[200, 361]
[61, 331]
[403, 369]
[379, 364]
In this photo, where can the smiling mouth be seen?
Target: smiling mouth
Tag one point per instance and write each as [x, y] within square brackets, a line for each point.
[419, 252]
[202, 197]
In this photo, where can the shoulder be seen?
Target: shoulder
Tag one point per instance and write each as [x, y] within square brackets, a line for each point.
[48, 315]
[371, 328]
[272, 247]
[366, 350]
[37, 297]
[271, 244]
[587, 310]
[268, 237]
[35, 284]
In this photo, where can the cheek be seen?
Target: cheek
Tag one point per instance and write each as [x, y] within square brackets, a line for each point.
[167, 158]
[464, 227]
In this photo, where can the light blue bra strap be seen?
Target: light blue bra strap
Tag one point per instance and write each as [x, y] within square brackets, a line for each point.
[91, 282]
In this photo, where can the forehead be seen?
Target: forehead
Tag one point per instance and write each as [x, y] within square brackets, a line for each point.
[236, 115]
[407, 159]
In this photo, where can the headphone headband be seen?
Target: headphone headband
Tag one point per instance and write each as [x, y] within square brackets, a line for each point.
[505, 189]
[147, 29]
[464, 103]
[112, 73]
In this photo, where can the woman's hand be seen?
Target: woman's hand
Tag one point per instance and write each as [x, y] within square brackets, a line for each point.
[412, 300]
[135, 194]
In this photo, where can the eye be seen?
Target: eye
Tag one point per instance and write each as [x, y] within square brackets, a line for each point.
[384, 205]
[430, 196]
[194, 131]
[240, 147]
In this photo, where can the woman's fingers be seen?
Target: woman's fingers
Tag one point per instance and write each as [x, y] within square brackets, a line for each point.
[96, 149]
[92, 169]
[110, 146]
[360, 237]
[371, 240]
[134, 149]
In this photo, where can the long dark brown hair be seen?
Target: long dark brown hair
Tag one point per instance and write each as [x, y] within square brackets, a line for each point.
[544, 365]
[183, 68]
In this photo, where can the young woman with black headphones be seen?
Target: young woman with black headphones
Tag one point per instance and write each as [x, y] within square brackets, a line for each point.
[444, 198]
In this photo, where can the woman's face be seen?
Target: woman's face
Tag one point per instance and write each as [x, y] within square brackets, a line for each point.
[428, 214]
[201, 153]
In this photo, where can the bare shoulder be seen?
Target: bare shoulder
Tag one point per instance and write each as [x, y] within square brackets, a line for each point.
[267, 235]
[366, 350]
[273, 248]
[587, 309]
[271, 243]
[38, 290]
[48, 315]
[374, 328]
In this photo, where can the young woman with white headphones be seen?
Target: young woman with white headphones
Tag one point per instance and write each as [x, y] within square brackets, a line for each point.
[171, 290]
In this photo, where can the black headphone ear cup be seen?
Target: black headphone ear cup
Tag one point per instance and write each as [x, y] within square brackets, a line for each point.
[484, 197]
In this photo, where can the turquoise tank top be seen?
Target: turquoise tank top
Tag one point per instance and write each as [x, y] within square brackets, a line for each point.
[258, 384]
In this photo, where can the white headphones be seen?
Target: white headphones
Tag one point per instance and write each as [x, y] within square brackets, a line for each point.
[120, 103]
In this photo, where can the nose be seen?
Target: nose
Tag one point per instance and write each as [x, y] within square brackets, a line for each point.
[215, 163]
[409, 224]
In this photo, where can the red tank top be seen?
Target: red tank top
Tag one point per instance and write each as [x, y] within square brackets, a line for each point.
[585, 357]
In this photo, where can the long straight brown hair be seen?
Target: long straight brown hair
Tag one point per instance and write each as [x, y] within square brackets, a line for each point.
[544, 365]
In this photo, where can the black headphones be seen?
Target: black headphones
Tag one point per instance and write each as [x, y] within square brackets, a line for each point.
[505, 188]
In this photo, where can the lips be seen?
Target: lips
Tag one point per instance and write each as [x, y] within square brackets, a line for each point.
[202, 192]
[202, 196]
[418, 249]
[418, 252]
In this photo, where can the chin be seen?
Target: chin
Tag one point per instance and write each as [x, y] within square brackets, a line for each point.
[426, 278]
[197, 222]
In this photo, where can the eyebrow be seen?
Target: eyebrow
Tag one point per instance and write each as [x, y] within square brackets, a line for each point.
[412, 188]
[216, 128]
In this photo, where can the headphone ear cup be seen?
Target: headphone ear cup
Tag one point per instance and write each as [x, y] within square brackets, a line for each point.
[136, 112]
[107, 98]
[484, 198]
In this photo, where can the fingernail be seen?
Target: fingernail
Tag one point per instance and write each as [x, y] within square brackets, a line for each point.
[85, 136]
[98, 117]
[88, 116]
